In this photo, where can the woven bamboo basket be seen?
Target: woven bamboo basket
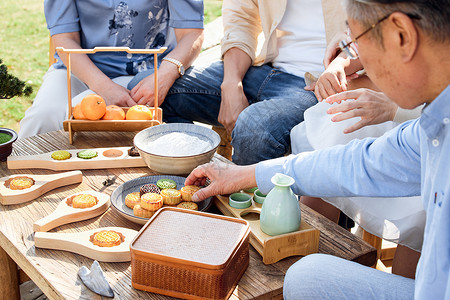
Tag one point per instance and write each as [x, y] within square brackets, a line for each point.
[190, 254]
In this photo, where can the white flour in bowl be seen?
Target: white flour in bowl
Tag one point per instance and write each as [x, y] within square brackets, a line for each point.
[177, 144]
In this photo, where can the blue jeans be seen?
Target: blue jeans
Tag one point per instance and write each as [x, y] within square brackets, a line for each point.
[320, 276]
[277, 102]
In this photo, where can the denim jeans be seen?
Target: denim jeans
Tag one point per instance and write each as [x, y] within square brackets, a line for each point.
[321, 276]
[277, 102]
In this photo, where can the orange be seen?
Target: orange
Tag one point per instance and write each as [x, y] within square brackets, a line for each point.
[77, 113]
[93, 107]
[114, 112]
[139, 112]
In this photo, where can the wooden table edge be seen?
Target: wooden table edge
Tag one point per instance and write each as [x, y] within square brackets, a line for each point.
[28, 268]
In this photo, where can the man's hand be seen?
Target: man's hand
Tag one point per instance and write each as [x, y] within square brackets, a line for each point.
[373, 108]
[224, 178]
[116, 94]
[144, 92]
[332, 81]
[232, 104]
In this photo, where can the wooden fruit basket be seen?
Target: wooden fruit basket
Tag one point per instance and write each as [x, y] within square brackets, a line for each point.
[304, 241]
[72, 125]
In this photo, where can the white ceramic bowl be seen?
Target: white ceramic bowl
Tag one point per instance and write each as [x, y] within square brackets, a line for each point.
[180, 163]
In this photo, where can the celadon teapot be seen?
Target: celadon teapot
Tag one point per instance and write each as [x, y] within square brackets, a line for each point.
[280, 212]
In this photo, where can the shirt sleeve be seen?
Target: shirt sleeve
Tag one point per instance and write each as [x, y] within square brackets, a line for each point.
[61, 16]
[387, 166]
[241, 25]
[186, 13]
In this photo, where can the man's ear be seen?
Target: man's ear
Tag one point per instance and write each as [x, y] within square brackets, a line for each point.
[405, 35]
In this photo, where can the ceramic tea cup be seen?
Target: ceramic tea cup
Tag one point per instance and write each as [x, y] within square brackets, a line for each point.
[251, 190]
[258, 196]
[240, 200]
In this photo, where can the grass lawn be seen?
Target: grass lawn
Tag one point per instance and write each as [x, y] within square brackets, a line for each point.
[24, 49]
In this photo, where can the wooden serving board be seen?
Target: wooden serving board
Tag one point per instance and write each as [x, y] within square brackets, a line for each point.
[79, 243]
[273, 248]
[65, 213]
[42, 184]
[108, 158]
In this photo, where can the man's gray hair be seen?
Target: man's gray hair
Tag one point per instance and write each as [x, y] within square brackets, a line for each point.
[434, 15]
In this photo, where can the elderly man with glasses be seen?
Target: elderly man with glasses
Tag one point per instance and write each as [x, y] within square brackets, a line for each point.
[407, 59]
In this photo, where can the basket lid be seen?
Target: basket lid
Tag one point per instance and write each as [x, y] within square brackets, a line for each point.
[183, 236]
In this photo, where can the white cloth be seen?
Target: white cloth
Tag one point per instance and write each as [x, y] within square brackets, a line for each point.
[301, 38]
[400, 220]
[50, 107]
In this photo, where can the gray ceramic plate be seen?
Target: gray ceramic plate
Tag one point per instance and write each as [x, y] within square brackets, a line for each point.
[119, 194]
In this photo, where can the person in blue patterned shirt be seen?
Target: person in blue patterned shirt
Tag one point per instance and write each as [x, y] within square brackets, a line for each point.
[138, 24]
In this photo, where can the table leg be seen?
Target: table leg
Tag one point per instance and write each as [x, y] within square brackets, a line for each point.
[9, 277]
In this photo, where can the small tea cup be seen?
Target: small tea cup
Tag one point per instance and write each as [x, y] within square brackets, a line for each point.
[251, 190]
[258, 196]
[240, 200]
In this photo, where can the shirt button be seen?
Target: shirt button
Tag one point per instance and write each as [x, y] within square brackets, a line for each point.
[435, 142]
[446, 120]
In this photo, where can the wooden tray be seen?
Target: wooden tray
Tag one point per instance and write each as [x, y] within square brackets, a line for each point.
[79, 243]
[108, 158]
[65, 213]
[71, 125]
[42, 184]
[273, 248]
[114, 125]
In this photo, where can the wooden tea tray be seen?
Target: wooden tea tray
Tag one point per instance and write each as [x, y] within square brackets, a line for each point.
[65, 213]
[273, 248]
[108, 158]
[79, 243]
[42, 184]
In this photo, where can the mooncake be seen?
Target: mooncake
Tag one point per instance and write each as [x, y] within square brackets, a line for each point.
[83, 201]
[61, 155]
[188, 205]
[166, 184]
[171, 196]
[188, 191]
[132, 199]
[151, 201]
[87, 154]
[107, 238]
[138, 211]
[21, 183]
[149, 188]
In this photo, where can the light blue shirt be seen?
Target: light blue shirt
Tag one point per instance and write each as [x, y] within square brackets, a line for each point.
[412, 159]
[138, 24]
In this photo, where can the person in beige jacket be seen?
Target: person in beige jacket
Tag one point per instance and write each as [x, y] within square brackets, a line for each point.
[257, 91]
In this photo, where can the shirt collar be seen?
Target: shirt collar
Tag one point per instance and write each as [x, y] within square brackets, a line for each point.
[434, 114]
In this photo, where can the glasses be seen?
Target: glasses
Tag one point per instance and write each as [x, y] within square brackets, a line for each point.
[351, 47]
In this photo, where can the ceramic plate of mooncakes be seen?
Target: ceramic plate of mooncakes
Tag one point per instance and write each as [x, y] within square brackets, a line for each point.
[134, 185]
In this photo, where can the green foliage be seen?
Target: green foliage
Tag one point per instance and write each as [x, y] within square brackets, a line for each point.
[213, 10]
[10, 85]
[24, 41]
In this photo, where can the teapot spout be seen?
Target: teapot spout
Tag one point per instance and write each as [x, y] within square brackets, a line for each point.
[282, 180]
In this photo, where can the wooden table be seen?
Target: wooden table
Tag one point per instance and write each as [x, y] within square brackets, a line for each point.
[55, 272]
